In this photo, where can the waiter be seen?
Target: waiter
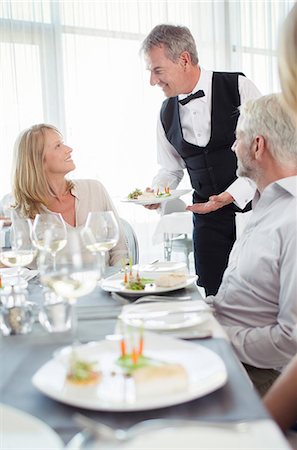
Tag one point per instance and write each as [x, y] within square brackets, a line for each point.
[195, 131]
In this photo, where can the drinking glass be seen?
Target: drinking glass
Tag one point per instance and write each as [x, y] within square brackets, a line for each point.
[49, 233]
[73, 275]
[22, 251]
[101, 232]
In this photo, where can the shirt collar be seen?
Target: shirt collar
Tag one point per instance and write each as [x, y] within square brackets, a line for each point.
[289, 184]
[203, 83]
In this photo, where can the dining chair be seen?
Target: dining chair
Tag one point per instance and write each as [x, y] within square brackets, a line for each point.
[176, 242]
[131, 241]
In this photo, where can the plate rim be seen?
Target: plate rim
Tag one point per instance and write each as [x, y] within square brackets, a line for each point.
[218, 380]
[199, 317]
[56, 441]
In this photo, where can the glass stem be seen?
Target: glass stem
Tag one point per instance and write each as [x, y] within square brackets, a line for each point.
[54, 261]
[74, 323]
[103, 265]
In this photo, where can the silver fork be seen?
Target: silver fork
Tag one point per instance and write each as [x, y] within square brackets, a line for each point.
[148, 298]
[108, 433]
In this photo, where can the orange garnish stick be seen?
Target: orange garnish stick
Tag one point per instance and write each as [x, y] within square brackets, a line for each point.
[140, 349]
[130, 265]
[134, 356]
[1, 285]
[125, 277]
[123, 347]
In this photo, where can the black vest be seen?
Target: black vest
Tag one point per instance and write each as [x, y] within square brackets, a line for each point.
[212, 168]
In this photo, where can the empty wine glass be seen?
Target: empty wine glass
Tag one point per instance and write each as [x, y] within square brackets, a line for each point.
[74, 274]
[101, 232]
[22, 251]
[49, 233]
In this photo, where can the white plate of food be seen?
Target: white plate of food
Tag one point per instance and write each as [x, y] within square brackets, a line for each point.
[168, 372]
[150, 198]
[20, 430]
[150, 283]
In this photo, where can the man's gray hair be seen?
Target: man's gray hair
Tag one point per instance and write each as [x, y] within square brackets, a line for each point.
[266, 116]
[176, 39]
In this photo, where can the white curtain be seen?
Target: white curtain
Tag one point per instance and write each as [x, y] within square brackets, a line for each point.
[76, 64]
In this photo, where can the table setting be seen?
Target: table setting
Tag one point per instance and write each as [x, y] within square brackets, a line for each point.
[101, 365]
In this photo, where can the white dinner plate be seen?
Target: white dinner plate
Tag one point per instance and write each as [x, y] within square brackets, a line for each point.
[151, 200]
[21, 431]
[206, 372]
[162, 317]
[183, 434]
[115, 284]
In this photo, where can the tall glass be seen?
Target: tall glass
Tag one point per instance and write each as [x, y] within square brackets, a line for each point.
[49, 233]
[101, 232]
[22, 251]
[74, 274]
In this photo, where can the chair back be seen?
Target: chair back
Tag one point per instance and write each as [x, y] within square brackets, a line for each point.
[131, 241]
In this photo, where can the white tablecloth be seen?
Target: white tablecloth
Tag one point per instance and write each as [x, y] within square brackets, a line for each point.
[175, 223]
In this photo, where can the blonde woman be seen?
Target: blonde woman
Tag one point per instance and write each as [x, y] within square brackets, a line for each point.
[281, 399]
[288, 61]
[41, 163]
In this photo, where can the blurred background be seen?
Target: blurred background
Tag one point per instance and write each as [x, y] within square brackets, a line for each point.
[76, 64]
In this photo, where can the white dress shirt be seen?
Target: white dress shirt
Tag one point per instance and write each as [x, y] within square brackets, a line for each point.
[195, 119]
[257, 300]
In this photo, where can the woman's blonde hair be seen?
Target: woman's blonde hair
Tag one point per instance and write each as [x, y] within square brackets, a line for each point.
[288, 60]
[31, 188]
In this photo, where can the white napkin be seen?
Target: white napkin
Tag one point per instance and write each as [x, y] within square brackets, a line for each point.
[10, 273]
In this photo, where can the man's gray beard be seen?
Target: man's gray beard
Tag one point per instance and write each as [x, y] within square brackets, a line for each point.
[252, 174]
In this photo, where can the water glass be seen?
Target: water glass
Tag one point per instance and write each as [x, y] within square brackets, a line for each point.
[16, 313]
[55, 313]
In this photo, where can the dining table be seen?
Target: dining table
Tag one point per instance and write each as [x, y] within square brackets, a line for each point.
[22, 355]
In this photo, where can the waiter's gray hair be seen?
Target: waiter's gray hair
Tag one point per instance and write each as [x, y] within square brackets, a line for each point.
[267, 117]
[175, 39]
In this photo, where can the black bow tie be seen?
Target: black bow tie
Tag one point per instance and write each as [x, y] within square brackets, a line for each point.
[190, 97]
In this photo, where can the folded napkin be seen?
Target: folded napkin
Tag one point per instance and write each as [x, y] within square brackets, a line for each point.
[9, 274]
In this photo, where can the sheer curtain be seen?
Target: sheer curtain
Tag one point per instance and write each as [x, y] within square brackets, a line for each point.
[76, 64]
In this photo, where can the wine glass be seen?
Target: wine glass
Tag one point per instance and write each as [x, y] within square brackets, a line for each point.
[101, 232]
[73, 274]
[22, 251]
[49, 233]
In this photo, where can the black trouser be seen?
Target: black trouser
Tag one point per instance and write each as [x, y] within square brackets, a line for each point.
[213, 237]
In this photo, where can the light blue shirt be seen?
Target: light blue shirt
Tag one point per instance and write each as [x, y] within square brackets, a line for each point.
[257, 300]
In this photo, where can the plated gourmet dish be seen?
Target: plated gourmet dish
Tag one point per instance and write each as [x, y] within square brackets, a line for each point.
[138, 194]
[149, 376]
[136, 372]
[132, 280]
